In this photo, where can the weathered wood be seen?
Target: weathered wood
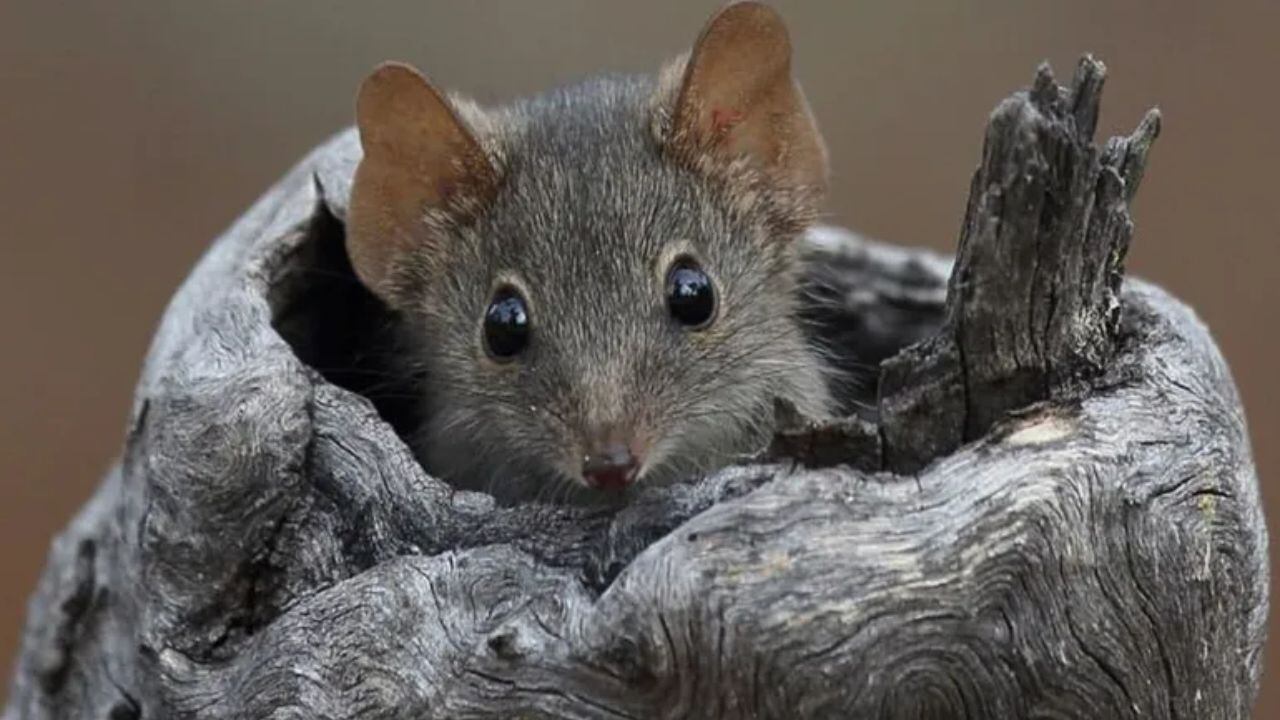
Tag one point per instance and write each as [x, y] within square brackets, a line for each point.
[1077, 533]
[1033, 301]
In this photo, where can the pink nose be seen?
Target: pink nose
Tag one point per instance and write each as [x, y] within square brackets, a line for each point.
[611, 466]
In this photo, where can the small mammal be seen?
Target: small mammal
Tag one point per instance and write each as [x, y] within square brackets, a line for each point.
[601, 279]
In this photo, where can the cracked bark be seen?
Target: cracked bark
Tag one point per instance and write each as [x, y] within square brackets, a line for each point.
[1044, 505]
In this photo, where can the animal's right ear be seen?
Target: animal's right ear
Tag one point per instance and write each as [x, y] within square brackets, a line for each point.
[419, 159]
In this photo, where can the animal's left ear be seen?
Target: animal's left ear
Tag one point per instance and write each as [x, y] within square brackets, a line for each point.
[738, 99]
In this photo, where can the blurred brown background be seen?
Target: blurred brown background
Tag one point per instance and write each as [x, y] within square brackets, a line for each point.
[131, 133]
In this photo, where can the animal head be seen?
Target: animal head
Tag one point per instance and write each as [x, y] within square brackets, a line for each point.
[602, 276]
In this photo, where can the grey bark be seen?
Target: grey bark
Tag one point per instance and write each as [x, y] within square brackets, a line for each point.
[1045, 507]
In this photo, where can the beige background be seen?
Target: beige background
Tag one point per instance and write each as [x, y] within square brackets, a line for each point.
[133, 132]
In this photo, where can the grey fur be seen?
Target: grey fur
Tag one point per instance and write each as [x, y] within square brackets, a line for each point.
[590, 211]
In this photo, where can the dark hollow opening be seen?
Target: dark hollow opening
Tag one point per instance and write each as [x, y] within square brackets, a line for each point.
[339, 328]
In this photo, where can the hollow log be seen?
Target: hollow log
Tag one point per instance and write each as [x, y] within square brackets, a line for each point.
[1041, 504]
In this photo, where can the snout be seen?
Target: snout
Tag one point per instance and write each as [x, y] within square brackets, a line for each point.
[612, 462]
[610, 467]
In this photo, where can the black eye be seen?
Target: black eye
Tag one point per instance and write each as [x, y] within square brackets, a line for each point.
[506, 324]
[691, 297]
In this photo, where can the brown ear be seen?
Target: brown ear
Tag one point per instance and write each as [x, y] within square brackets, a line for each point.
[737, 98]
[418, 158]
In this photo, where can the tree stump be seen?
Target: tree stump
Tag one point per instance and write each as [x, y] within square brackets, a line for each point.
[1042, 503]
